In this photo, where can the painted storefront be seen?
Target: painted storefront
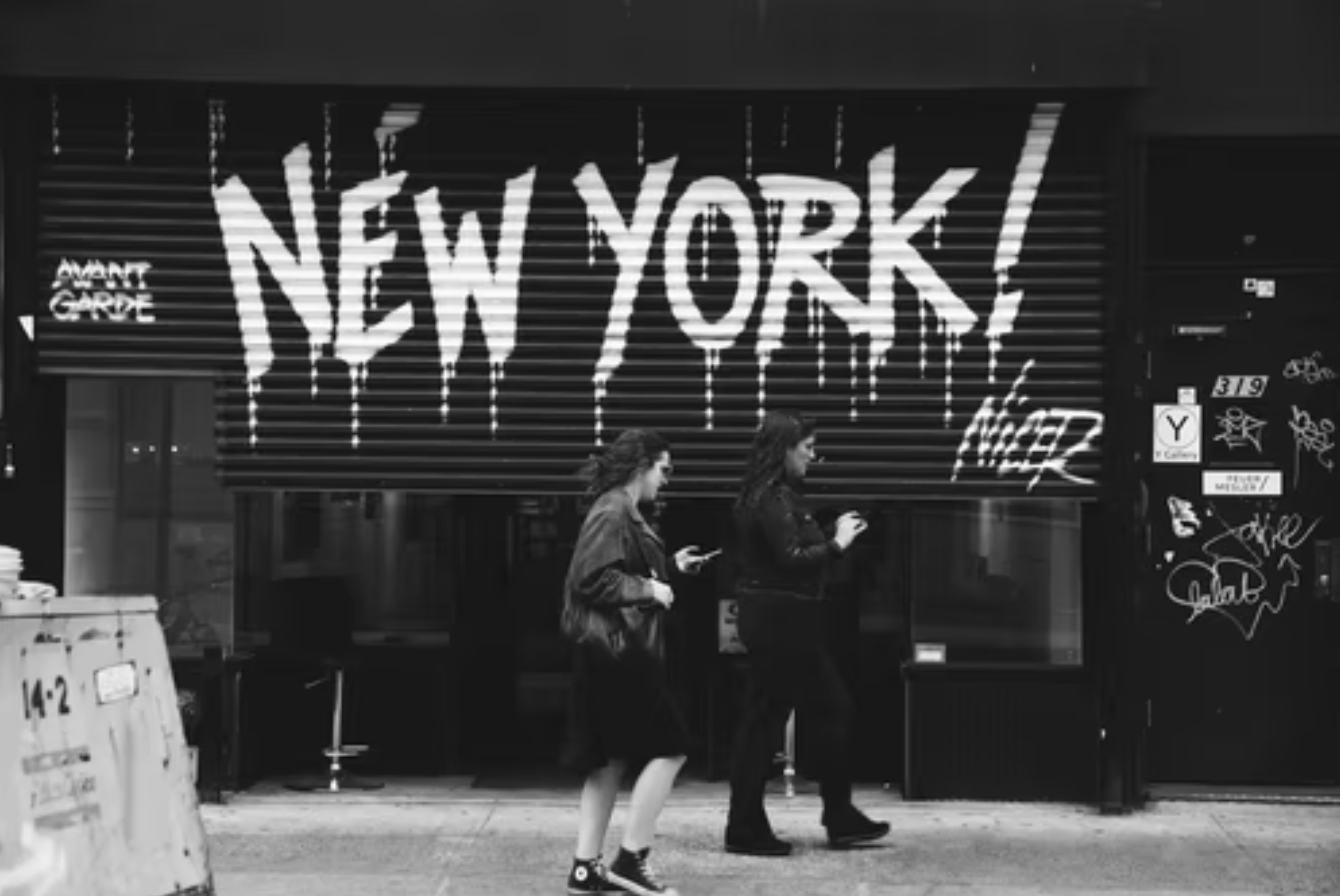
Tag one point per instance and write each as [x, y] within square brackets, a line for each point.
[441, 300]
[466, 293]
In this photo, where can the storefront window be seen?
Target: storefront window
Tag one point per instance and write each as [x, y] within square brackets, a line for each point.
[394, 550]
[145, 514]
[997, 581]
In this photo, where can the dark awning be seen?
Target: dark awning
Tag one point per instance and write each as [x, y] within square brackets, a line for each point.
[709, 44]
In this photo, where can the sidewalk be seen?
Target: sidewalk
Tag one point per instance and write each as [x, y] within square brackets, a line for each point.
[445, 837]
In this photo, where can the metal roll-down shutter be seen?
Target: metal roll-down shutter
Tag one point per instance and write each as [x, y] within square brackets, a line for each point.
[466, 292]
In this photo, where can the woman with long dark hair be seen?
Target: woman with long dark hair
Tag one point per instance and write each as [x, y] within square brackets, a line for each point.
[616, 594]
[784, 556]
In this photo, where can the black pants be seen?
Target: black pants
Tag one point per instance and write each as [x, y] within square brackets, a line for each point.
[789, 668]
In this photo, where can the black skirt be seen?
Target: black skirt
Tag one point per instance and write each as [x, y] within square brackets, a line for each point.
[621, 709]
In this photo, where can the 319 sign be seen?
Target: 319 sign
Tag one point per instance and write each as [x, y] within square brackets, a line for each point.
[1240, 386]
[41, 699]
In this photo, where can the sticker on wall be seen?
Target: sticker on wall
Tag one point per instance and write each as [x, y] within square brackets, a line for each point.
[1176, 433]
[1186, 395]
[1240, 386]
[728, 631]
[1242, 483]
[1185, 523]
[930, 653]
[1261, 288]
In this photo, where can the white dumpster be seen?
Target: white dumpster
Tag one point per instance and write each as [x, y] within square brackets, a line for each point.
[96, 796]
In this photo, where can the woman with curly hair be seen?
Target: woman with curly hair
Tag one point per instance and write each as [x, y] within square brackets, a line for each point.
[615, 598]
[784, 559]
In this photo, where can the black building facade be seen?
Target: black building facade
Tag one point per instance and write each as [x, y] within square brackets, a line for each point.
[363, 313]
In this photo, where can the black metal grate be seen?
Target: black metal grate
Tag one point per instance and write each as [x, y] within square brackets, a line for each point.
[140, 176]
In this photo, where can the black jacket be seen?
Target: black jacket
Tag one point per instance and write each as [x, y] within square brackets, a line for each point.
[782, 549]
[608, 594]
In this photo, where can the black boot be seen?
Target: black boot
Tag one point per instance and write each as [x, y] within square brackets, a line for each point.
[850, 826]
[756, 839]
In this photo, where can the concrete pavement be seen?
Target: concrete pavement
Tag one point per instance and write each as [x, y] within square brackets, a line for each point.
[445, 837]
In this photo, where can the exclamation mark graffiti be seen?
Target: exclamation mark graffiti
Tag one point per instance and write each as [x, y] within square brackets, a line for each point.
[1014, 227]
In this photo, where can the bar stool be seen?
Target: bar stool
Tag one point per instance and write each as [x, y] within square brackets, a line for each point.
[312, 623]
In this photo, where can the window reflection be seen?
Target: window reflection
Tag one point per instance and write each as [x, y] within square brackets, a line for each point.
[998, 580]
[394, 550]
[137, 524]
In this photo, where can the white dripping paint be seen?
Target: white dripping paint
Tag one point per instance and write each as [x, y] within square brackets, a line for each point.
[891, 249]
[938, 220]
[852, 389]
[837, 141]
[706, 198]
[786, 115]
[248, 233]
[796, 259]
[328, 156]
[749, 141]
[397, 118]
[641, 139]
[361, 260]
[55, 122]
[130, 130]
[630, 242]
[455, 276]
[1014, 227]
[463, 274]
[217, 125]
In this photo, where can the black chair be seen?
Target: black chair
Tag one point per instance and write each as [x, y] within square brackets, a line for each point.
[312, 622]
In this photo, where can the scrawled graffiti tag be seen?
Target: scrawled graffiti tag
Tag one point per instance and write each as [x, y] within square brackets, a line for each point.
[1041, 442]
[1185, 523]
[1314, 437]
[1238, 429]
[1249, 569]
[1309, 369]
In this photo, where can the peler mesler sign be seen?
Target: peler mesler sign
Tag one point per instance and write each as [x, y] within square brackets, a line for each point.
[864, 250]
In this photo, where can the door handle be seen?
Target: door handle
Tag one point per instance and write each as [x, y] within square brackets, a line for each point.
[1325, 569]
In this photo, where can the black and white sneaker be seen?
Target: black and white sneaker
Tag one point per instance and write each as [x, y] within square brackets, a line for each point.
[589, 876]
[630, 871]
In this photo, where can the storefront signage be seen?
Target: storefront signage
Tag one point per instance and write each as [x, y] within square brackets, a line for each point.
[1243, 483]
[1176, 434]
[102, 290]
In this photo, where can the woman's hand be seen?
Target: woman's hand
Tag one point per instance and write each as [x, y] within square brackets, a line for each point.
[849, 525]
[662, 593]
[689, 561]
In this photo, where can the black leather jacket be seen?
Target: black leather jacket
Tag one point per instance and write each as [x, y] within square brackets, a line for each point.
[781, 547]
